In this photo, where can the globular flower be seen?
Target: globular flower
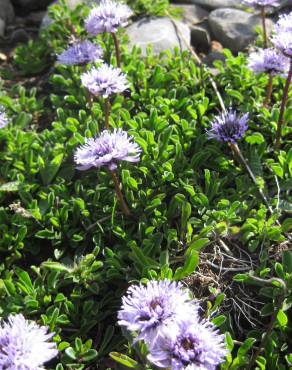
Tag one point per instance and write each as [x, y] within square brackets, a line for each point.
[282, 38]
[189, 345]
[107, 150]
[269, 61]
[228, 127]
[259, 3]
[104, 81]
[284, 23]
[3, 118]
[148, 309]
[107, 17]
[24, 345]
[82, 52]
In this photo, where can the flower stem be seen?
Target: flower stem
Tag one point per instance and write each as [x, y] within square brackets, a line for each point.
[119, 193]
[117, 47]
[269, 91]
[235, 149]
[283, 105]
[107, 108]
[263, 16]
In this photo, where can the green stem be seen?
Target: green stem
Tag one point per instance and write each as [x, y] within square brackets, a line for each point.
[119, 193]
[283, 106]
[117, 47]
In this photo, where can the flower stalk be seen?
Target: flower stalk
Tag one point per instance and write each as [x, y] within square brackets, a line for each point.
[283, 106]
[107, 109]
[269, 91]
[121, 200]
[235, 149]
[117, 48]
[263, 16]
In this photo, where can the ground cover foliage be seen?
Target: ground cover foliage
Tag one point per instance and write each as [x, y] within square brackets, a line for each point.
[67, 253]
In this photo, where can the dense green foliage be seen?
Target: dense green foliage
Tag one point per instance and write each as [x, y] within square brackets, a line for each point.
[67, 254]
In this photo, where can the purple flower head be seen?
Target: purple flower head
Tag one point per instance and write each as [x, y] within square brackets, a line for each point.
[82, 52]
[107, 150]
[282, 38]
[148, 309]
[24, 345]
[269, 61]
[104, 81]
[228, 127]
[259, 3]
[189, 345]
[3, 118]
[107, 17]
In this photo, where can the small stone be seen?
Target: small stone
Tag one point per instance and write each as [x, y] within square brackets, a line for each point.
[212, 57]
[3, 57]
[235, 29]
[216, 46]
[200, 36]
[19, 36]
[161, 33]
[192, 14]
[213, 4]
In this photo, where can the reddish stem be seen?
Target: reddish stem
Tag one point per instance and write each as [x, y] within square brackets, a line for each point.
[119, 193]
[263, 15]
[107, 108]
[269, 91]
[117, 47]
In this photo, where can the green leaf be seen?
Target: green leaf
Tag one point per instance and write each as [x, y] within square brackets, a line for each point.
[282, 318]
[124, 360]
[255, 138]
[50, 170]
[189, 267]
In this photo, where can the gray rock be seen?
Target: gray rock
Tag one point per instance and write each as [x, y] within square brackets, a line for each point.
[235, 29]
[200, 36]
[2, 28]
[161, 33]
[213, 4]
[29, 5]
[192, 14]
[6, 11]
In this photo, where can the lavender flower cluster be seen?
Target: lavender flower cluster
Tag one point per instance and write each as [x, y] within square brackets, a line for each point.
[107, 150]
[104, 81]
[108, 17]
[228, 127]
[163, 315]
[269, 61]
[282, 38]
[82, 52]
[24, 345]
